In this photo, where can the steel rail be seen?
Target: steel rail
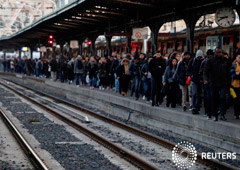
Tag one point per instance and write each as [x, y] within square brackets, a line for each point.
[125, 154]
[31, 154]
[146, 135]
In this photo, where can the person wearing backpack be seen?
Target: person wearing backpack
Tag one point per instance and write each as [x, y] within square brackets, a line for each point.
[70, 70]
[78, 70]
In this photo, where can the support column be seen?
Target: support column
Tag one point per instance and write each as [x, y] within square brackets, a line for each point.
[31, 52]
[128, 44]
[81, 45]
[4, 54]
[109, 47]
[92, 46]
[20, 53]
[154, 35]
[190, 21]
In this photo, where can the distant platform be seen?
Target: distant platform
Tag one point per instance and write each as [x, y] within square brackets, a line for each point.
[222, 134]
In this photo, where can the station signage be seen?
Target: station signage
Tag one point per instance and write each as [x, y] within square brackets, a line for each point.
[43, 49]
[140, 33]
[74, 44]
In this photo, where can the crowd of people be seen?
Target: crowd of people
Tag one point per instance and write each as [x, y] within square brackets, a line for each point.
[211, 81]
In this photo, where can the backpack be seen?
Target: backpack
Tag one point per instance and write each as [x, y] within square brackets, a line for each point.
[79, 64]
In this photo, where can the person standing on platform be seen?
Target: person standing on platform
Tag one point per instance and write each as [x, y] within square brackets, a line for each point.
[135, 72]
[123, 75]
[146, 80]
[170, 83]
[92, 71]
[194, 73]
[54, 68]
[78, 70]
[102, 65]
[215, 74]
[235, 75]
[115, 65]
[157, 68]
[63, 60]
[181, 76]
[206, 88]
[110, 77]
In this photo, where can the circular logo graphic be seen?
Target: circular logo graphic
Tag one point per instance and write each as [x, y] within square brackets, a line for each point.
[184, 155]
[138, 35]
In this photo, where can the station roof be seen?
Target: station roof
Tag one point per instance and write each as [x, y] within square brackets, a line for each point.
[89, 18]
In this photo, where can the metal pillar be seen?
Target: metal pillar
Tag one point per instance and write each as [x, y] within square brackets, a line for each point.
[31, 52]
[81, 45]
[128, 44]
[20, 53]
[4, 54]
[92, 46]
[154, 36]
[190, 21]
[109, 46]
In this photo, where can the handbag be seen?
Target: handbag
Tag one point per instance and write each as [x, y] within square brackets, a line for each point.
[188, 81]
[233, 93]
[87, 79]
[164, 90]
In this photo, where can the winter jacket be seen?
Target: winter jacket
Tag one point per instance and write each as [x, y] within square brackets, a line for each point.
[169, 74]
[102, 69]
[62, 62]
[54, 65]
[92, 69]
[76, 69]
[115, 65]
[181, 74]
[157, 68]
[135, 70]
[194, 69]
[235, 78]
[216, 71]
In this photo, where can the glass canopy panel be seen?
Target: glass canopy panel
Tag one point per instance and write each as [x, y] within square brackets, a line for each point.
[17, 14]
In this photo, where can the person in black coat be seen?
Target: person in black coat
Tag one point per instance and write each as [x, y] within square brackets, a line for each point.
[170, 83]
[215, 74]
[54, 68]
[206, 88]
[135, 72]
[146, 80]
[181, 76]
[196, 84]
[123, 75]
[62, 62]
[157, 67]
[110, 76]
[92, 71]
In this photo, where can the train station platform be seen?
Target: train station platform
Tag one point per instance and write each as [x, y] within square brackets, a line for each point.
[222, 134]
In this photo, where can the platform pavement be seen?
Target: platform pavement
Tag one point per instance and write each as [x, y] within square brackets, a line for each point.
[222, 134]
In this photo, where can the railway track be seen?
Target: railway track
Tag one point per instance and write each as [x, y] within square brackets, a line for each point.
[120, 151]
[28, 150]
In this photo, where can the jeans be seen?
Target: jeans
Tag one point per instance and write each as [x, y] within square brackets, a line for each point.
[136, 91]
[184, 89]
[79, 78]
[116, 82]
[196, 95]
[218, 98]
[92, 81]
[146, 87]
[207, 100]
[156, 86]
